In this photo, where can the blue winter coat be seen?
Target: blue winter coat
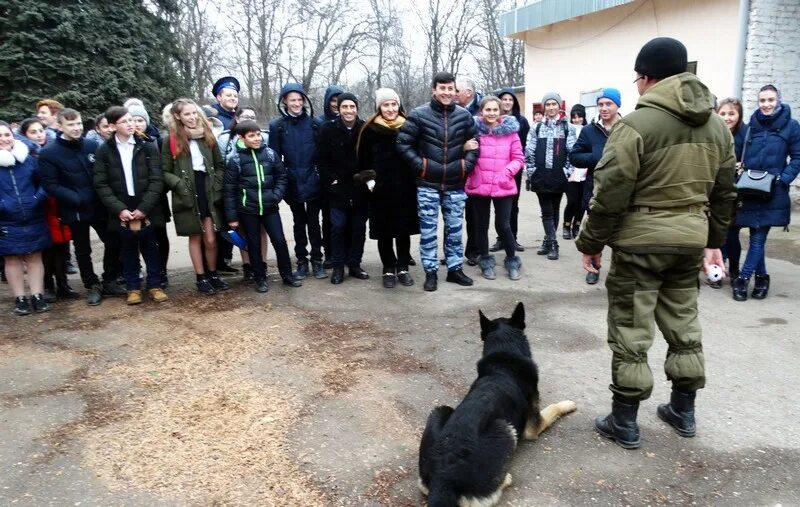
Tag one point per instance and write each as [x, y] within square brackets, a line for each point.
[223, 115]
[23, 228]
[767, 148]
[293, 138]
[586, 153]
[67, 169]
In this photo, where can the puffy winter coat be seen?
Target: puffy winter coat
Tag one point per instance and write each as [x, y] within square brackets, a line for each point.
[23, 228]
[546, 155]
[67, 173]
[336, 152]
[393, 201]
[255, 182]
[148, 182]
[432, 143]
[769, 142]
[499, 161]
[665, 182]
[223, 115]
[293, 138]
[179, 178]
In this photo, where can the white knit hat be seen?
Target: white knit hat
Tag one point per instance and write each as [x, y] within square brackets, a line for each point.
[384, 94]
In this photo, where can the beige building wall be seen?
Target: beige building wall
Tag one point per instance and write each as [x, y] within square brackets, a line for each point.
[599, 50]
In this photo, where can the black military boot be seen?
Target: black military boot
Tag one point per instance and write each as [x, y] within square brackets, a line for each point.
[739, 286]
[431, 281]
[761, 287]
[553, 253]
[679, 412]
[620, 425]
[338, 275]
[545, 248]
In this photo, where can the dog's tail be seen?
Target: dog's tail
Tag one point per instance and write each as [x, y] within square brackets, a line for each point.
[442, 494]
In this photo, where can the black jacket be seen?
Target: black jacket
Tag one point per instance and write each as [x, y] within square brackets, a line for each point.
[337, 162]
[255, 182]
[148, 182]
[432, 143]
[66, 168]
[516, 110]
[587, 152]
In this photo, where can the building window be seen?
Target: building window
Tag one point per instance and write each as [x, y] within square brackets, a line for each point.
[692, 67]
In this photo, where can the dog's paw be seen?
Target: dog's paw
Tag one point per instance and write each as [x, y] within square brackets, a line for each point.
[567, 406]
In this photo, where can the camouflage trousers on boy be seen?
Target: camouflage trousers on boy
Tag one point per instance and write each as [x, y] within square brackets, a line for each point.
[451, 202]
[648, 289]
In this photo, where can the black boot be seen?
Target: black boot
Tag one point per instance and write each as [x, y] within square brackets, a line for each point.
[21, 306]
[337, 276]
[38, 304]
[247, 273]
[576, 229]
[431, 281]
[739, 286]
[553, 253]
[49, 290]
[566, 233]
[620, 425]
[302, 270]
[545, 248]
[204, 285]
[217, 282]
[498, 245]
[761, 287]
[679, 412]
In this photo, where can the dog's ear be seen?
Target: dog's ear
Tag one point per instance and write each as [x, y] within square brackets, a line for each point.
[518, 317]
[486, 324]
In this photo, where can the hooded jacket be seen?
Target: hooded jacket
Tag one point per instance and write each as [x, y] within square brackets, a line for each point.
[67, 173]
[327, 113]
[255, 182]
[769, 143]
[432, 144]
[665, 182]
[293, 139]
[499, 161]
[516, 110]
[338, 164]
[22, 204]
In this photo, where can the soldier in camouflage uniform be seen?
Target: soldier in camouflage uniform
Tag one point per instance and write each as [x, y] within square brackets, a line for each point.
[662, 200]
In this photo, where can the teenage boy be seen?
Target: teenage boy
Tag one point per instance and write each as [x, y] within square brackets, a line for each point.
[68, 175]
[330, 112]
[255, 182]
[345, 187]
[293, 138]
[432, 143]
[128, 181]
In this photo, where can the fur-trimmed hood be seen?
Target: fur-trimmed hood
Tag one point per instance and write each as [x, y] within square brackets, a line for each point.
[17, 154]
[508, 125]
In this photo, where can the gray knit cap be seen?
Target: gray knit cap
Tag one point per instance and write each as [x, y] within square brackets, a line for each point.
[137, 110]
[551, 96]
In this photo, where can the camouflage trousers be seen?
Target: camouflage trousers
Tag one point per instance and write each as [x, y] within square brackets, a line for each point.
[451, 202]
[648, 289]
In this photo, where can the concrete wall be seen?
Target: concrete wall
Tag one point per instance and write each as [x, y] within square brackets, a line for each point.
[600, 49]
[773, 51]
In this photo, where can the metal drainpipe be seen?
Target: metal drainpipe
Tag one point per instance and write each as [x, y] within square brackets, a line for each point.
[741, 49]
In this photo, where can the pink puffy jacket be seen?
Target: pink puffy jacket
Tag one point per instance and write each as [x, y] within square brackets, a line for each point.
[499, 161]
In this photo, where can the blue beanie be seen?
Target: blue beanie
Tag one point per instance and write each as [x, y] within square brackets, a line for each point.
[611, 94]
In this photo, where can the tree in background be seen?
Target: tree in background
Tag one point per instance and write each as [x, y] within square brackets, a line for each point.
[88, 54]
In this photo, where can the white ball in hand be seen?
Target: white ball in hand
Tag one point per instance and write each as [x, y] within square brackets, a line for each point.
[714, 273]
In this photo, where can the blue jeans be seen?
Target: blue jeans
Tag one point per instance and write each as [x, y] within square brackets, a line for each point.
[133, 242]
[451, 202]
[306, 216]
[754, 262]
[348, 250]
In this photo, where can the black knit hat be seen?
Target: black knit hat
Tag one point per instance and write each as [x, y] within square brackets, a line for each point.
[661, 57]
[346, 96]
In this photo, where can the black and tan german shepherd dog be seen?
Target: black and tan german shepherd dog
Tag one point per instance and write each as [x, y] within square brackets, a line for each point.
[465, 453]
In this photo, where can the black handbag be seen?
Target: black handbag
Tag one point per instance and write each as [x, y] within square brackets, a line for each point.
[752, 183]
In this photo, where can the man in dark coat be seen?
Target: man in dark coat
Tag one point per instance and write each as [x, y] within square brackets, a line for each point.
[345, 187]
[432, 143]
[226, 91]
[67, 172]
[330, 112]
[128, 180]
[293, 138]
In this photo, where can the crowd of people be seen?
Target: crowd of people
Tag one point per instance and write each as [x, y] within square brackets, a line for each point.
[459, 155]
